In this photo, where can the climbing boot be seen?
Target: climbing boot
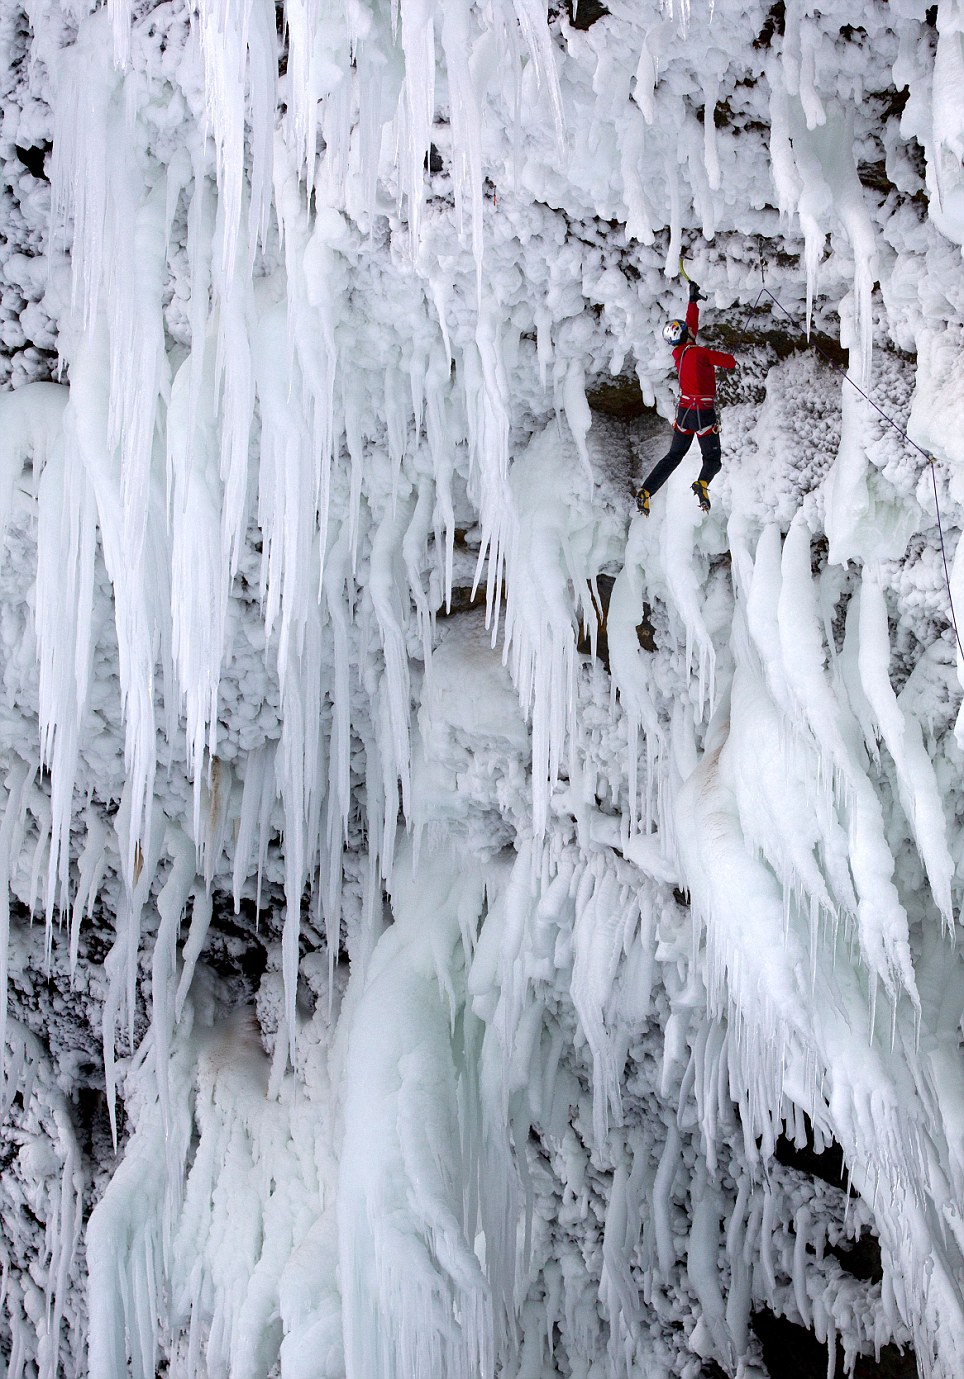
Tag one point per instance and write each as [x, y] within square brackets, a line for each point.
[642, 501]
[701, 489]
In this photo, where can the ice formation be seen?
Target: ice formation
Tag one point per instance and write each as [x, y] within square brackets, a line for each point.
[444, 915]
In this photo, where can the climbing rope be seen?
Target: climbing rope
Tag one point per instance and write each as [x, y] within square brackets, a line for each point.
[746, 320]
[765, 291]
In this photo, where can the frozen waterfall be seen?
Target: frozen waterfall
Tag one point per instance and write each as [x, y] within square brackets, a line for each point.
[452, 925]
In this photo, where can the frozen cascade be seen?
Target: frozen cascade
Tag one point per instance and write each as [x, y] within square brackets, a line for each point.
[469, 908]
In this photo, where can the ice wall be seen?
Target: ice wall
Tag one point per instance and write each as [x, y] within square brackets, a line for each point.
[448, 886]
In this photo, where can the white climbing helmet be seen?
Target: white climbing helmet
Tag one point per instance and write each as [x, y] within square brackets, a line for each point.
[675, 332]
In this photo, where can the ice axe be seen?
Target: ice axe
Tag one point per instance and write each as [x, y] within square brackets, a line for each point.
[696, 296]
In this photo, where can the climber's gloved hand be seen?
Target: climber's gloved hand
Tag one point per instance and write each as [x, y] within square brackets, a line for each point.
[695, 294]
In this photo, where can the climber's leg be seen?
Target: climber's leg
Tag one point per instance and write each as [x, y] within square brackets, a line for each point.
[710, 448]
[660, 472]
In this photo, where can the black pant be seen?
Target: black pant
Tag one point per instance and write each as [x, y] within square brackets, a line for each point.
[693, 420]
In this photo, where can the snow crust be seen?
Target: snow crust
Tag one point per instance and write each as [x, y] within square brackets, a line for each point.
[435, 898]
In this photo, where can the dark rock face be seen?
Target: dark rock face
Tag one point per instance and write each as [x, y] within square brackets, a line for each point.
[792, 1352]
[617, 397]
[582, 14]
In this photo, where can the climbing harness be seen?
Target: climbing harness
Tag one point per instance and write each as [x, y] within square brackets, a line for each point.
[932, 463]
[714, 426]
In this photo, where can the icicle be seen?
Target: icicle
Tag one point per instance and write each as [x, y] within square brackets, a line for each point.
[171, 901]
[199, 591]
[384, 584]
[701, 1267]
[662, 1202]
[410, 1259]
[599, 939]
[91, 868]
[883, 923]
[915, 774]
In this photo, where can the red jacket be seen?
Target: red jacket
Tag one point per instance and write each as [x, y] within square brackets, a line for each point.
[697, 365]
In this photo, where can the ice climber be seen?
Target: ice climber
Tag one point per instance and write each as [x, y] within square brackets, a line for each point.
[696, 411]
